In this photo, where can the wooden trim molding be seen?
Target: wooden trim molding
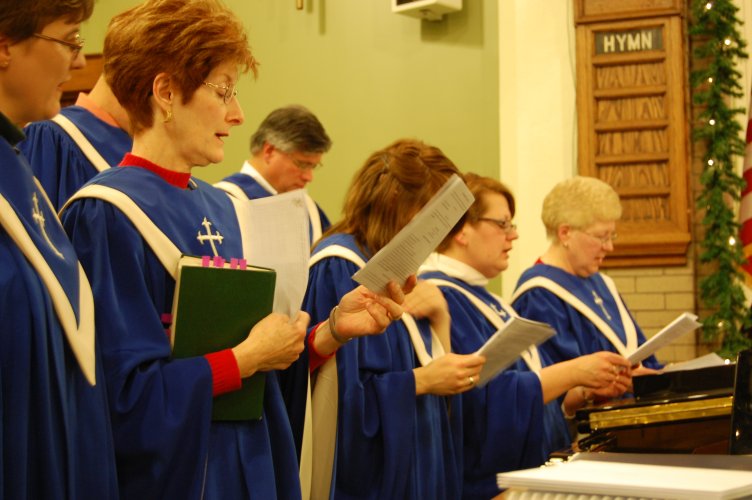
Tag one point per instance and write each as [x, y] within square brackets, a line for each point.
[82, 79]
[589, 11]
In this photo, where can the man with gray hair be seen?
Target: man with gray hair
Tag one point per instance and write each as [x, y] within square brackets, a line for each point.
[285, 150]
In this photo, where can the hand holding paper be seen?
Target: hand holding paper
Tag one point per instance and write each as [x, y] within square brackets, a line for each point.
[409, 248]
[362, 312]
[506, 345]
[684, 324]
[449, 374]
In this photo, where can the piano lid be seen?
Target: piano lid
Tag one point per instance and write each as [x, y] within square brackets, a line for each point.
[676, 384]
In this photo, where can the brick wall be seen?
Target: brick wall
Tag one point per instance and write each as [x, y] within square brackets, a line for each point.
[657, 295]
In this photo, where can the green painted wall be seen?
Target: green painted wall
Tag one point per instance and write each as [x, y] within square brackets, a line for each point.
[371, 77]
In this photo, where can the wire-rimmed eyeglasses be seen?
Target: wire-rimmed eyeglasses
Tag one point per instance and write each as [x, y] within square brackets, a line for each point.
[303, 165]
[75, 47]
[227, 91]
[505, 225]
[605, 239]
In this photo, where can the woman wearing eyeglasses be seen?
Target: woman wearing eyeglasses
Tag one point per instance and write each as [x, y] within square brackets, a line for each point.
[580, 216]
[565, 288]
[174, 66]
[55, 439]
[506, 422]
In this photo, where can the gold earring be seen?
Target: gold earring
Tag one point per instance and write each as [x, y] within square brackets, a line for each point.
[4, 64]
[168, 116]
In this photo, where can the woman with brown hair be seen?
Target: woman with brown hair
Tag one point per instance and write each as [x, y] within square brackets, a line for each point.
[174, 66]
[394, 437]
[507, 423]
[55, 439]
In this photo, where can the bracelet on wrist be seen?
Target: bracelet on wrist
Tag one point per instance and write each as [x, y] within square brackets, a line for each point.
[332, 327]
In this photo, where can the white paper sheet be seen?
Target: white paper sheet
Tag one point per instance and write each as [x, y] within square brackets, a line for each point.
[404, 254]
[279, 240]
[632, 480]
[706, 361]
[682, 325]
[506, 345]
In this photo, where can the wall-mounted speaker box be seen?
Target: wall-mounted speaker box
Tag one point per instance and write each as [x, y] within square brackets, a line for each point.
[430, 10]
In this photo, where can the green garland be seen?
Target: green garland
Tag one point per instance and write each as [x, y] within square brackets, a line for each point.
[719, 47]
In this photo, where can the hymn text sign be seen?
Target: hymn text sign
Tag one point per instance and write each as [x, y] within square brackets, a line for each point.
[639, 40]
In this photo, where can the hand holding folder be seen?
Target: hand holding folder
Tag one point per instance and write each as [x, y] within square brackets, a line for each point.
[216, 305]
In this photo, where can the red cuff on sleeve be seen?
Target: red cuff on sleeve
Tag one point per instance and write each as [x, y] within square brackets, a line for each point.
[315, 359]
[225, 372]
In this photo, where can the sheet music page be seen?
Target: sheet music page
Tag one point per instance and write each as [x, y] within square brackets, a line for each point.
[685, 323]
[279, 240]
[402, 256]
[706, 361]
[506, 345]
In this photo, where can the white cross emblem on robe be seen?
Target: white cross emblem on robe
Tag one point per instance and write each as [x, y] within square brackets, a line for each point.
[500, 311]
[211, 238]
[38, 217]
[599, 301]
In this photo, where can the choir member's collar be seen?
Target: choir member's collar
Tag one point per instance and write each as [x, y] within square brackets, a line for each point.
[177, 179]
[454, 269]
[86, 102]
[249, 169]
[10, 132]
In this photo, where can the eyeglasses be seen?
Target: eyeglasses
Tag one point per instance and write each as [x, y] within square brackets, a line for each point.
[503, 224]
[604, 239]
[227, 91]
[303, 165]
[75, 47]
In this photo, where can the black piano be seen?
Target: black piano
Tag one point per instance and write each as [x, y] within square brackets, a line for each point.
[702, 411]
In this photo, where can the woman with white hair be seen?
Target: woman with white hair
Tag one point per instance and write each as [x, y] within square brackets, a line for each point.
[580, 216]
[565, 288]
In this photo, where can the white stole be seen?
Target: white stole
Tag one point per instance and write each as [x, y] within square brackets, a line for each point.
[567, 296]
[80, 334]
[531, 356]
[83, 143]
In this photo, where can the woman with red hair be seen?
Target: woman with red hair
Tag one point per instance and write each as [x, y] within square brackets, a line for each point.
[174, 66]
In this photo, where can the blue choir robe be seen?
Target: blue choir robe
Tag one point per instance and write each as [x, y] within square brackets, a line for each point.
[503, 421]
[253, 189]
[576, 335]
[166, 444]
[390, 442]
[55, 436]
[58, 162]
